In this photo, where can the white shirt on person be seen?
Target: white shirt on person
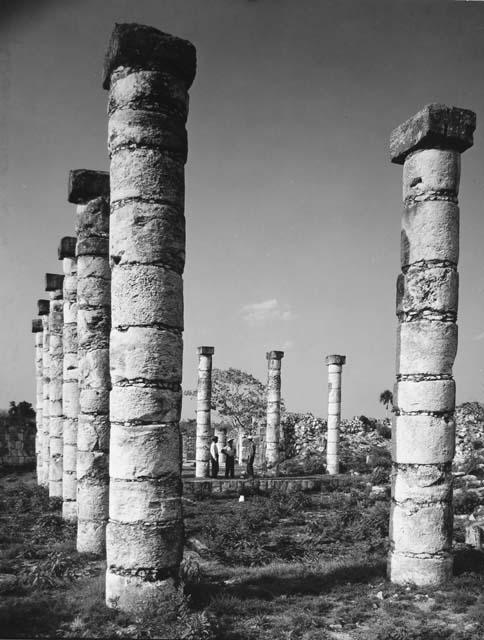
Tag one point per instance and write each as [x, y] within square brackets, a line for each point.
[214, 450]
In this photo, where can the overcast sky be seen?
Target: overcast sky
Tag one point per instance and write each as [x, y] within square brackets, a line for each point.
[293, 208]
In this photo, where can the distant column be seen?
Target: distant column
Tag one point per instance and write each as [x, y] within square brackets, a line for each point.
[335, 367]
[148, 74]
[43, 310]
[54, 285]
[204, 403]
[70, 387]
[429, 146]
[274, 361]
[90, 191]
[37, 330]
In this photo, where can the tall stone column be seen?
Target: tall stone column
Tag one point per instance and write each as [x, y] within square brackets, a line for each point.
[335, 367]
[43, 310]
[429, 147]
[274, 361]
[54, 285]
[37, 330]
[90, 191]
[70, 387]
[148, 74]
[204, 404]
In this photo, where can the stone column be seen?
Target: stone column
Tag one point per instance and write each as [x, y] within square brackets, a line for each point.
[204, 404]
[43, 310]
[274, 361]
[148, 74]
[90, 191]
[37, 329]
[54, 285]
[429, 147]
[335, 367]
[70, 387]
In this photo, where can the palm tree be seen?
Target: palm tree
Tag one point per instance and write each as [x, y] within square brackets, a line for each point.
[386, 398]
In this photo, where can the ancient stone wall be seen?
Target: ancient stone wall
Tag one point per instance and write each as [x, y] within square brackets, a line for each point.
[17, 443]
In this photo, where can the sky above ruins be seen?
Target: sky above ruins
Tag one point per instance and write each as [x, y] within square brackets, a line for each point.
[293, 208]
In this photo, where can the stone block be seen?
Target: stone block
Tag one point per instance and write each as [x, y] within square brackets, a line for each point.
[423, 439]
[432, 396]
[426, 347]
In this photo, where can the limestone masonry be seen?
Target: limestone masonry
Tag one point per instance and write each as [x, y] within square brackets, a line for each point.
[429, 147]
[90, 191]
[148, 74]
[204, 399]
[335, 367]
[274, 361]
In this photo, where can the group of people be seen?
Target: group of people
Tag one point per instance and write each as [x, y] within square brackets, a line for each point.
[230, 452]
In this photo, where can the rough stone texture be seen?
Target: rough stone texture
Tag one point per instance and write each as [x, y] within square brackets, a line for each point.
[37, 330]
[423, 435]
[44, 307]
[204, 399]
[148, 74]
[54, 284]
[335, 367]
[90, 190]
[70, 388]
[434, 126]
[274, 361]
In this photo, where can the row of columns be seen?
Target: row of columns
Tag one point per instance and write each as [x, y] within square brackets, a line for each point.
[148, 74]
[273, 412]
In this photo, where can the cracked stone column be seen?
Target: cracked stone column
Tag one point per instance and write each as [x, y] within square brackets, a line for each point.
[37, 329]
[335, 368]
[148, 74]
[70, 387]
[43, 311]
[90, 191]
[54, 285]
[204, 404]
[428, 146]
[274, 361]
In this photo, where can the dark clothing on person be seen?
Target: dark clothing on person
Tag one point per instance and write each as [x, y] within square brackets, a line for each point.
[214, 466]
[229, 466]
[250, 459]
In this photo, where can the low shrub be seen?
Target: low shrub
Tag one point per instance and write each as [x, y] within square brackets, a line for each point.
[465, 502]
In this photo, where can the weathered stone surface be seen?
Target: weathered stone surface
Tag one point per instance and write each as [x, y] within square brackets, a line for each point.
[430, 396]
[159, 237]
[67, 248]
[133, 592]
[273, 411]
[335, 367]
[204, 395]
[145, 499]
[421, 571]
[53, 283]
[430, 231]
[145, 451]
[86, 184]
[426, 347]
[139, 46]
[422, 439]
[56, 356]
[137, 172]
[431, 173]
[146, 352]
[145, 404]
[427, 292]
[161, 302]
[434, 126]
[44, 434]
[90, 189]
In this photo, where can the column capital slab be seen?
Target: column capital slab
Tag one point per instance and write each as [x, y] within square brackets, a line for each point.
[274, 355]
[37, 326]
[205, 351]
[67, 248]
[436, 126]
[43, 307]
[335, 359]
[53, 281]
[142, 47]
[86, 184]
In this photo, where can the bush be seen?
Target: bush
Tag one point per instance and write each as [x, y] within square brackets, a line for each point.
[308, 465]
[380, 475]
[466, 502]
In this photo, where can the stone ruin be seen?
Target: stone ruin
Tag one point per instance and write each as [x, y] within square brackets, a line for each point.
[109, 341]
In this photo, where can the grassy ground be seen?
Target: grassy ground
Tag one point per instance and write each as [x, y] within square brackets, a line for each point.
[272, 567]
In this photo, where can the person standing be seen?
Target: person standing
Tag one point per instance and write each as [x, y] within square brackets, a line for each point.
[214, 457]
[230, 452]
[250, 456]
